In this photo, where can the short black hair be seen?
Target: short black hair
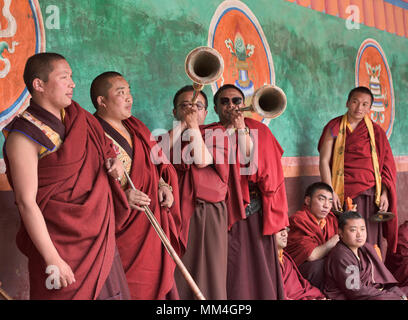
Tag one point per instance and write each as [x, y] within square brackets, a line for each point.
[100, 86]
[225, 87]
[39, 66]
[345, 216]
[311, 189]
[188, 88]
[361, 89]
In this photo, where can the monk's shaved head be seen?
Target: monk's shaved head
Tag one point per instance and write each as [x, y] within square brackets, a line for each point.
[39, 66]
[101, 85]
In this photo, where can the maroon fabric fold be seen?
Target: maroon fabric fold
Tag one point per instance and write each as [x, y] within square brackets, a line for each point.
[76, 202]
[359, 172]
[148, 266]
[397, 262]
[296, 287]
[367, 278]
[305, 234]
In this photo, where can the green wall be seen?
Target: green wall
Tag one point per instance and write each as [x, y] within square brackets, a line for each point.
[314, 58]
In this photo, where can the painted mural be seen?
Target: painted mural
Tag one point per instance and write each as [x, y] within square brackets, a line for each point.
[372, 71]
[236, 33]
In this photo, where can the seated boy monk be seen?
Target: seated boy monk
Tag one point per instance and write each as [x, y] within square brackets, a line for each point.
[295, 286]
[313, 232]
[353, 269]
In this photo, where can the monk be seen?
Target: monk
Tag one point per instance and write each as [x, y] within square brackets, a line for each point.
[354, 169]
[313, 232]
[397, 262]
[256, 196]
[58, 160]
[203, 180]
[296, 287]
[353, 269]
[148, 266]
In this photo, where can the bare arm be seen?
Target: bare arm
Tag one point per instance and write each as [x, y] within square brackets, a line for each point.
[23, 159]
[324, 165]
[201, 155]
[322, 250]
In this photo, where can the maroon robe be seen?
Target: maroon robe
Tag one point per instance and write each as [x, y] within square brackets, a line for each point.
[253, 264]
[205, 216]
[348, 278]
[359, 174]
[305, 234]
[148, 266]
[76, 201]
[296, 287]
[397, 262]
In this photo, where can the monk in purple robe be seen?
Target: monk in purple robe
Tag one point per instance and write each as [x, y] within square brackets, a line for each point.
[354, 270]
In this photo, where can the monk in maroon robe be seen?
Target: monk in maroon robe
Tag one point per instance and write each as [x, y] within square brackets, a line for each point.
[397, 262]
[313, 232]
[149, 267]
[56, 153]
[296, 287]
[355, 175]
[202, 168]
[257, 197]
[353, 269]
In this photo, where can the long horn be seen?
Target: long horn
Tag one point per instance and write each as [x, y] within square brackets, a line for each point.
[268, 101]
[4, 294]
[203, 65]
[166, 243]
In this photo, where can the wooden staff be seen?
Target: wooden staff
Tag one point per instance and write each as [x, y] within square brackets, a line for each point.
[4, 294]
[169, 247]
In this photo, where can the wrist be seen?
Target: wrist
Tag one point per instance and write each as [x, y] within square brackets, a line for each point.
[166, 185]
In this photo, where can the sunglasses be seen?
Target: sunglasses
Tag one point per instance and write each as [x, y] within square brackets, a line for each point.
[235, 100]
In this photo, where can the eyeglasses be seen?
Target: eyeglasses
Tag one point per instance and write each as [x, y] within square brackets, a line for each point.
[200, 106]
[235, 100]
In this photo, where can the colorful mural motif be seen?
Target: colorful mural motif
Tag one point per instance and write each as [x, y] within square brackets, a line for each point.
[21, 35]
[237, 35]
[373, 72]
[387, 15]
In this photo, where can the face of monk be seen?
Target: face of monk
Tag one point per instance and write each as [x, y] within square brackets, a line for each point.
[184, 103]
[118, 100]
[354, 233]
[281, 238]
[358, 106]
[58, 89]
[229, 101]
[320, 203]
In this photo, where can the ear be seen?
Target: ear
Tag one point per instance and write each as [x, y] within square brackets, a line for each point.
[215, 109]
[38, 85]
[101, 101]
[175, 113]
[308, 200]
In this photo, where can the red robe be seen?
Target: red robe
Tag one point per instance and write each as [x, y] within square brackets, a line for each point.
[397, 262]
[367, 278]
[208, 184]
[264, 170]
[76, 201]
[305, 234]
[148, 266]
[296, 287]
[359, 172]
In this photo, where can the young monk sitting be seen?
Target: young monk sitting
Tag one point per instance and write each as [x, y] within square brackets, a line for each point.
[353, 269]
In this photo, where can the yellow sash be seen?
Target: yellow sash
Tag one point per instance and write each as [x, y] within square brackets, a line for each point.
[338, 159]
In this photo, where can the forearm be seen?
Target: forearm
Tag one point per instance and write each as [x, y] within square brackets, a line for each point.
[37, 230]
[319, 252]
[325, 172]
[245, 143]
[201, 155]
